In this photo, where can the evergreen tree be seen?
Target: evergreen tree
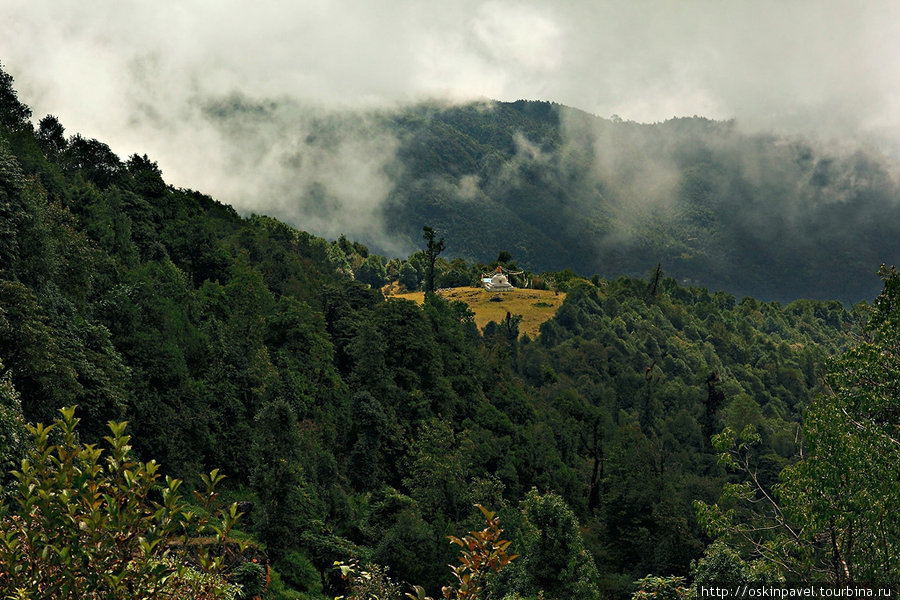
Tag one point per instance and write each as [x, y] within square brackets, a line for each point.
[51, 136]
[12, 213]
[287, 503]
[432, 250]
[13, 114]
[552, 556]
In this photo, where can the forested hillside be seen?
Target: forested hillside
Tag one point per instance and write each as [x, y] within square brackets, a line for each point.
[354, 428]
[773, 217]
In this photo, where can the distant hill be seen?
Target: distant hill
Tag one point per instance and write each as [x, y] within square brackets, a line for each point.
[756, 215]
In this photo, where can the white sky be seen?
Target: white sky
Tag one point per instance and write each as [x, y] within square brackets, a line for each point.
[132, 73]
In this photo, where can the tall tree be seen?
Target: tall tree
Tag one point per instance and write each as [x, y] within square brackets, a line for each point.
[432, 250]
[286, 501]
[12, 213]
[51, 136]
[553, 557]
[13, 435]
[832, 516]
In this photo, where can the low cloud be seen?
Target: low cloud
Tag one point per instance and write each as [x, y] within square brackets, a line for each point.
[143, 80]
[325, 172]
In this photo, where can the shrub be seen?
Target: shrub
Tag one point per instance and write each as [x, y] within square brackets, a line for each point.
[83, 524]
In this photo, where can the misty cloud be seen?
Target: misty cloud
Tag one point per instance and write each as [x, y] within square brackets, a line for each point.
[324, 172]
[770, 63]
[142, 79]
[528, 155]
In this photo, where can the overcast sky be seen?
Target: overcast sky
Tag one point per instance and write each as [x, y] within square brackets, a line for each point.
[132, 73]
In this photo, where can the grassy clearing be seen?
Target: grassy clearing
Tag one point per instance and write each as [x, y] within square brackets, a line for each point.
[535, 306]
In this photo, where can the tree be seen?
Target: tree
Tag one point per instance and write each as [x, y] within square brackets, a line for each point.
[748, 515]
[832, 516]
[51, 136]
[145, 177]
[365, 464]
[722, 565]
[845, 489]
[662, 588]
[286, 500]
[372, 271]
[12, 213]
[439, 468]
[483, 554]
[13, 114]
[13, 433]
[408, 277]
[455, 278]
[93, 159]
[432, 249]
[654, 280]
[553, 557]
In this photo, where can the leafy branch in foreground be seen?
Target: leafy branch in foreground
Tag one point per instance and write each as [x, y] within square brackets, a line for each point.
[749, 514]
[84, 524]
[483, 553]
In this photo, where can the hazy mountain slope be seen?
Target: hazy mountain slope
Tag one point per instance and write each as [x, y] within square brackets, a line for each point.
[753, 214]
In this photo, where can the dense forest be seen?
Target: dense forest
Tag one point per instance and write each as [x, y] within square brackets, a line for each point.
[651, 427]
[772, 217]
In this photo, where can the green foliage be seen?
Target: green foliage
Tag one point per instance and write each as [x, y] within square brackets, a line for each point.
[13, 114]
[12, 215]
[483, 554]
[439, 469]
[370, 583]
[50, 136]
[372, 271]
[828, 516]
[366, 461]
[287, 503]
[432, 249]
[278, 590]
[723, 565]
[719, 565]
[84, 524]
[409, 277]
[251, 578]
[749, 515]
[57, 357]
[299, 572]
